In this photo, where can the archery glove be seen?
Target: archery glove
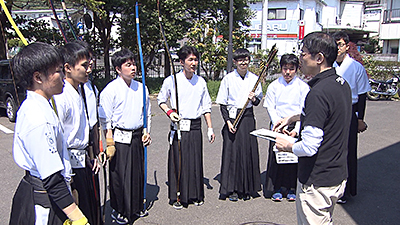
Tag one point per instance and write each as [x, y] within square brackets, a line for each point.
[76, 217]
[174, 117]
[110, 151]
[210, 133]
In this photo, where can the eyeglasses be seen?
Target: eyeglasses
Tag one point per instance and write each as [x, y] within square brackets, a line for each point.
[341, 44]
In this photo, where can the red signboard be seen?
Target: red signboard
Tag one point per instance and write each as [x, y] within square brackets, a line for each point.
[258, 35]
[301, 32]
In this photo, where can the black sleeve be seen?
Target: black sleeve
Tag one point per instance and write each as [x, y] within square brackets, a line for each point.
[362, 99]
[94, 134]
[256, 102]
[57, 190]
[224, 112]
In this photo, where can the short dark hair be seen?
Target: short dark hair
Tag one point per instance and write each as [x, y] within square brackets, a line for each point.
[241, 53]
[86, 45]
[186, 50]
[341, 35]
[289, 59]
[121, 56]
[73, 52]
[320, 42]
[36, 57]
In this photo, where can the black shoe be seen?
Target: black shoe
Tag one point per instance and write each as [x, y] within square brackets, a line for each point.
[246, 197]
[177, 205]
[222, 197]
[198, 203]
[120, 219]
[234, 197]
[342, 200]
[142, 213]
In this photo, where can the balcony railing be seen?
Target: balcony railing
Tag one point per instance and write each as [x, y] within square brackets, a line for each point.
[391, 16]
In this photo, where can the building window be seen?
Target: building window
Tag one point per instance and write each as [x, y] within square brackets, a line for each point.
[317, 15]
[277, 14]
[301, 14]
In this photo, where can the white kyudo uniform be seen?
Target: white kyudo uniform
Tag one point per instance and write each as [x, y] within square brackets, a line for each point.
[72, 114]
[282, 100]
[194, 99]
[91, 101]
[121, 109]
[285, 99]
[354, 73]
[356, 76]
[234, 90]
[122, 106]
[39, 146]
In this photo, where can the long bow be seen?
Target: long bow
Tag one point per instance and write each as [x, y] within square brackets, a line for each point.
[144, 102]
[176, 100]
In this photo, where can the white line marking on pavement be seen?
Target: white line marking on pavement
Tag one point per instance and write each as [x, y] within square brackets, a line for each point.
[6, 130]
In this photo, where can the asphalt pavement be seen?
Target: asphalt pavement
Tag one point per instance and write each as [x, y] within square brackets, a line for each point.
[377, 201]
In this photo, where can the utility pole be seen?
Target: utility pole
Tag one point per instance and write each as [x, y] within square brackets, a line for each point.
[264, 22]
[230, 45]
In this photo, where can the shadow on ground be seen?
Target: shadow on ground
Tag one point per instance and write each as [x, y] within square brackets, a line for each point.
[377, 200]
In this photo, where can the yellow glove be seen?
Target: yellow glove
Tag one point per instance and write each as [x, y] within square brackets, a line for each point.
[82, 221]
[110, 151]
[76, 217]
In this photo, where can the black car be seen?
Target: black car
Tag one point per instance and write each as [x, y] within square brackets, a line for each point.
[8, 90]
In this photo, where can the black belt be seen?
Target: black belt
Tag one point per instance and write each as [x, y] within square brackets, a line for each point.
[36, 182]
[134, 131]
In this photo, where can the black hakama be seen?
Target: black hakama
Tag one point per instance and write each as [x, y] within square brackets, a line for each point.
[30, 192]
[126, 175]
[279, 175]
[191, 183]
[240, 170]
[86, 183]
[351, 185]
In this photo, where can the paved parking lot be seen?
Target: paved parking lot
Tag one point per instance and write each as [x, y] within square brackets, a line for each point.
[378, 180]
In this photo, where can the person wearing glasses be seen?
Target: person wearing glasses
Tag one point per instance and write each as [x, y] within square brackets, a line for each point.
[240, 168]
[356, 76]
[325, 121]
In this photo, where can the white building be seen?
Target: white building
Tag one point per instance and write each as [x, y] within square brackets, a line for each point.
[290, 20]
[390, 27]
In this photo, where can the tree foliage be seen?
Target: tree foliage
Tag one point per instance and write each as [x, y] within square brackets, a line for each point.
[181, 19]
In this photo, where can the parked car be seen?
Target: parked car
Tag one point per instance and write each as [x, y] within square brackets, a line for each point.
[8, 91]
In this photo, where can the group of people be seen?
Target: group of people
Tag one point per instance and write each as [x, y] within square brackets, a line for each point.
[59, 124]
[57, 137]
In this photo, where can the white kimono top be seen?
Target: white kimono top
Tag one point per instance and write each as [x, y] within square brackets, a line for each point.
[193, 96]
[122, 106]
[39, 145]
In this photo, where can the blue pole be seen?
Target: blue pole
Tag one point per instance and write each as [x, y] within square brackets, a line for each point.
[144, 102]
